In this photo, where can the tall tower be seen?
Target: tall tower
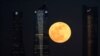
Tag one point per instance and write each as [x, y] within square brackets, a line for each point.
[90, 31]
[17, 47]
[40, 46]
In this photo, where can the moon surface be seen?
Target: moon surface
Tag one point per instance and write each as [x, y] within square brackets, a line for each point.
[59, 32]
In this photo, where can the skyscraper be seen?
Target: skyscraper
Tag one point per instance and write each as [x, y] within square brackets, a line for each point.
[90, 31]
[16, 35]
[40, 43]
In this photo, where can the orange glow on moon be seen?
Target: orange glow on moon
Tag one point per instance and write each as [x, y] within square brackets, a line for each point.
[59, 32]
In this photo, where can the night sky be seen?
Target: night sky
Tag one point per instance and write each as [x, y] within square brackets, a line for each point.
[69, 11]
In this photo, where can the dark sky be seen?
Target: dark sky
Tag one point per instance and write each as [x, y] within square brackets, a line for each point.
[69, 11]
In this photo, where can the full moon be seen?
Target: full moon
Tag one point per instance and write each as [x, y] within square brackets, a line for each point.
[59, 32]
